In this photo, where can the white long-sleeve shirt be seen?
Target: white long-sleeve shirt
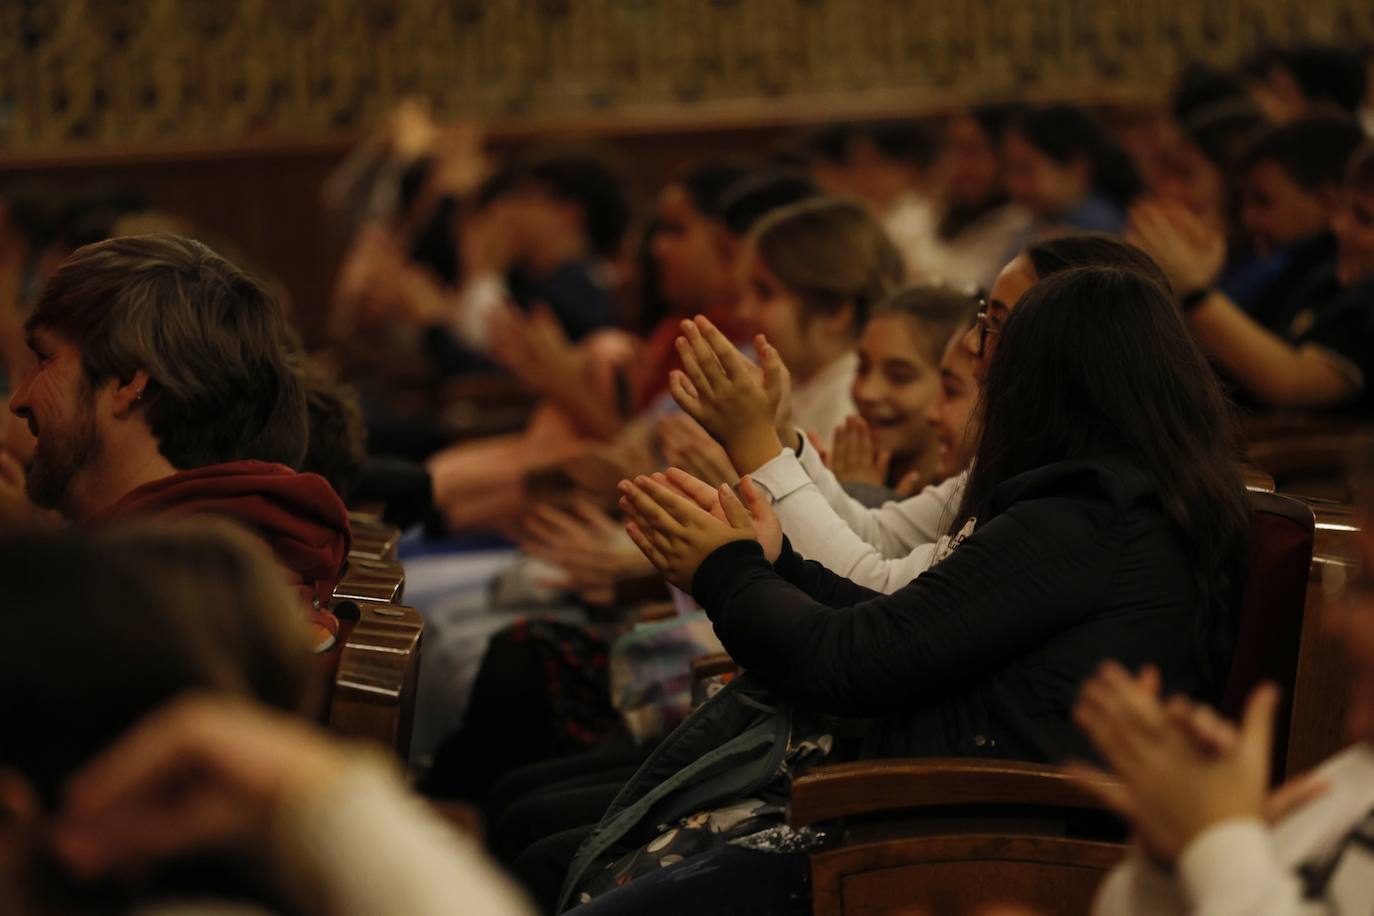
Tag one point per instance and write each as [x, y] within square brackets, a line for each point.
[882, 548]
[1240, 867]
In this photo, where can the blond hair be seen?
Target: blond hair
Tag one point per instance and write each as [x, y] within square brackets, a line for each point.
[831, 254]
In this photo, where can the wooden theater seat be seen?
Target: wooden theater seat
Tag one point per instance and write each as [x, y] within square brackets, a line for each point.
[371, 580]
[373, 539]
[376, 671]
[1308, 457]
[1321, 688]
[952, 836]
[955, 835]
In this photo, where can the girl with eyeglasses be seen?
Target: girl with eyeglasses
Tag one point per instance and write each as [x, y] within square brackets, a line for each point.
[1103, 518]
[884, 548]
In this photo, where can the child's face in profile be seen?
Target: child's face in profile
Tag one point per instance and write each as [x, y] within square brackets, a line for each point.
[1277, 211]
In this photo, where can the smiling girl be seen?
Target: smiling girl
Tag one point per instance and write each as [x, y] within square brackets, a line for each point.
[809, 275]
[898, 379]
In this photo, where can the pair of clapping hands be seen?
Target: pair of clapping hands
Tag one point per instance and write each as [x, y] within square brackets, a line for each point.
[677, 520]
[1180, 768]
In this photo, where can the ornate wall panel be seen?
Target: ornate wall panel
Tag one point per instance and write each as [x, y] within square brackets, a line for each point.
[140, 72]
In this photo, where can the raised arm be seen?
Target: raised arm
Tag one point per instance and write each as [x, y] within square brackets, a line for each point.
[882, 548]
[1274, 370]
[1007, 588]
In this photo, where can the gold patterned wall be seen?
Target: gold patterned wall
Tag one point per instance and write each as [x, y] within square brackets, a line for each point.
[146, 72]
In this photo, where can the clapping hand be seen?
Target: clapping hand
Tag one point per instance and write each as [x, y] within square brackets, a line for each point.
[1180, 769]
[676, 533]
[202, 773]
[686, 445]
[586, 544]
[535, 348]
[738, 403]
[853, 458]
[1189, 251]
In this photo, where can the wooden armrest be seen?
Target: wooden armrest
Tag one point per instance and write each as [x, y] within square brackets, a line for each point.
[371, 580]
[379, 668]
[1256, 478]
[372, 539]
[1320, 452]
[871, 787]
[713, 665]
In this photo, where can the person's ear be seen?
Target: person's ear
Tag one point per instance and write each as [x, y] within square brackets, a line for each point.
[128, 394]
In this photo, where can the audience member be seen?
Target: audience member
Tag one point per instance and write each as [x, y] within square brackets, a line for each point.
[1068, 171]
[1093, 554]
[1292, 82]
[563, 217]
[337, 446]
[977, 228]
[887, 547]
[889, 167]
[1318, 354]
[1290, 179]
[809, 276]
[165, 384]
[1210, 835]
[594, 389]
[895, 388]
[149, 800]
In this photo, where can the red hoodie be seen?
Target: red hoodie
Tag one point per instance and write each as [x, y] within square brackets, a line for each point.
[299, 516]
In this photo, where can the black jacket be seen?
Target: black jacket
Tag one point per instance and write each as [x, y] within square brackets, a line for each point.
[983, 655]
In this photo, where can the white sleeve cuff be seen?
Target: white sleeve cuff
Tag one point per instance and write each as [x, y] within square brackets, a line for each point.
[811, 461]
[782, 476]
[1227, 864]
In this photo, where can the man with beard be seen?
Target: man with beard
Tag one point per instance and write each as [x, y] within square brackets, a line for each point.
[165, 383]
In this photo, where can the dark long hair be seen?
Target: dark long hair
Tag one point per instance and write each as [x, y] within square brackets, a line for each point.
[1092, 249]
[1096, 362]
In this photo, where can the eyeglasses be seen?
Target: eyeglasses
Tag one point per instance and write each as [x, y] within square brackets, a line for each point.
[986, 327]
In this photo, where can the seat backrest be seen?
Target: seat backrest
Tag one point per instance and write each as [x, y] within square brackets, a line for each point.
[1321, 692]
[953, 836]
[961, 875]
[377, 674]
[1270, 616]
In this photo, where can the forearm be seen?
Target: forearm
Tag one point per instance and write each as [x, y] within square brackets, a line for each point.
[1268, 366]
[359, 843]
[817, 533]
[752, 446]
[895, 528]
[1230, 869]
[854, 541]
